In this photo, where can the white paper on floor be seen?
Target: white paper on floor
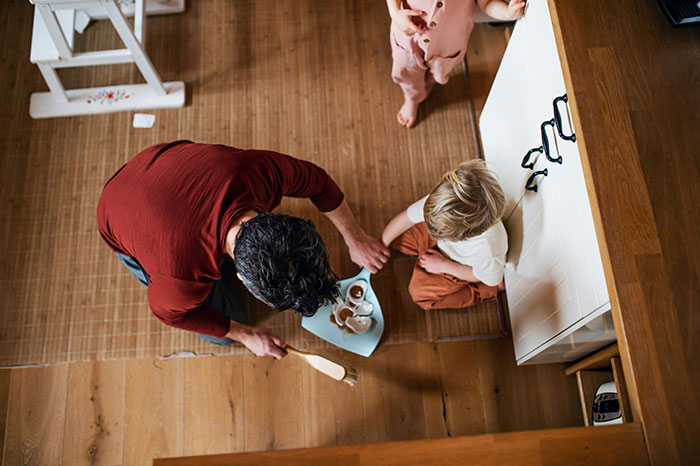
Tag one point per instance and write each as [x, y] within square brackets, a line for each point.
[144, 120]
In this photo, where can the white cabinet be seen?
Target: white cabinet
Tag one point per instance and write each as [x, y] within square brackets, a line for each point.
[554, 275]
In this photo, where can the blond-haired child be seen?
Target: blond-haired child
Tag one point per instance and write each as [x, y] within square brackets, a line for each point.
[457, 234]
[429, 37]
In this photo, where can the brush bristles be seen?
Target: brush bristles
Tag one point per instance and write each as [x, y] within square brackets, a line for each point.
[351, 376]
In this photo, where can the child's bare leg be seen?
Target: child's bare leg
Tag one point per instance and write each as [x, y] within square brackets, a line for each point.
[407, 113]
[409, 110]
[502, 286]
[407, 73]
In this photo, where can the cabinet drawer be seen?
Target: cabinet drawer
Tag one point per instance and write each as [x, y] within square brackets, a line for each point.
[573, 205]
[505, 120]
[554, 274]
[541, 293]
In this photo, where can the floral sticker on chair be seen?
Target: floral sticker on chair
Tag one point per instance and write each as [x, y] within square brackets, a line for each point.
[128, 7]
[106, 96]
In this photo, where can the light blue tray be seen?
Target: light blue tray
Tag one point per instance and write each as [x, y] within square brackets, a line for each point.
[363, 343]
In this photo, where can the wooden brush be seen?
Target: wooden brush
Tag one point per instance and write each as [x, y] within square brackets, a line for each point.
[326, 366]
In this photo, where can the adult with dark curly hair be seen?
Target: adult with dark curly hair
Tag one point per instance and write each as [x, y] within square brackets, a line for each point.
[178, 213]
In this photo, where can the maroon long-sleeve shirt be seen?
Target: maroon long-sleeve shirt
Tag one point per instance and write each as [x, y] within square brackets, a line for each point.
[172, 205]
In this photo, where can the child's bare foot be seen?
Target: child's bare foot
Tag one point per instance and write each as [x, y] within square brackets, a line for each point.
[502, 285]
[407, 113]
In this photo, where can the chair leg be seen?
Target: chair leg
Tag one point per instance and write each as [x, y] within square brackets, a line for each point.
[139, 22]
[140, 58]
[54, 83]
[55, 31]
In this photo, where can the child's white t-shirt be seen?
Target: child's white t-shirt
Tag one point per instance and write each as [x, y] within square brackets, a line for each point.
[485, 253]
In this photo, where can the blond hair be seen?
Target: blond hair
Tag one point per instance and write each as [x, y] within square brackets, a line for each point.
[467, 202]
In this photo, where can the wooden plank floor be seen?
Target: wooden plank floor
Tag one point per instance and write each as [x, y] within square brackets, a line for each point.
[616, 445]
[307, 78]
[129, 412]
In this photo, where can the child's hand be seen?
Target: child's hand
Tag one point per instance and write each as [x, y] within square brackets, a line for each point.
[516, 8]
[404, 21]
[433, 261]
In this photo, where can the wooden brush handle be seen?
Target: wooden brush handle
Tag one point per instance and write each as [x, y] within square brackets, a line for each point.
[320, 363]
[293, 350]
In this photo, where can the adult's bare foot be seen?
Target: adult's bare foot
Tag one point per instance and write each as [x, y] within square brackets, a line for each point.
[407, 113]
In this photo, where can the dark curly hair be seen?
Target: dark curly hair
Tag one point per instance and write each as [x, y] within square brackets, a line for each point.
[284, 263]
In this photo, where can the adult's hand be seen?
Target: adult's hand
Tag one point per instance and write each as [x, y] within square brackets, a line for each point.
[364, 250]
[259, 340]
[368, 252]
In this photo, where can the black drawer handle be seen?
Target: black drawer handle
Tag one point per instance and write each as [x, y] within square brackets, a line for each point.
[545, 141]
[526, 159]
[529, 185]
[557, 119]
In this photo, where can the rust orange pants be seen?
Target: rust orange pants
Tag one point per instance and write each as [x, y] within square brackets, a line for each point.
[437, 291]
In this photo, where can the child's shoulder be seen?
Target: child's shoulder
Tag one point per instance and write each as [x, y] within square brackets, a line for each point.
[497, 232]
[496, 236]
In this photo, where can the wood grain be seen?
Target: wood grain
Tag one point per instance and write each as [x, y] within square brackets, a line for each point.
[611, 445]
[154, 410]
[388, 416]
[634, 90]
[198, 406]
[622, 392]
[94, 426]
[598, 360]
[214, 405]
[5, 376]
[517, 397]
[36, 416]
[454, 409]
[334, 412]
[274, 414]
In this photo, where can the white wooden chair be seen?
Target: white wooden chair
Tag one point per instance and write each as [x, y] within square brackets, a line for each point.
[153, 7]
[52, 48]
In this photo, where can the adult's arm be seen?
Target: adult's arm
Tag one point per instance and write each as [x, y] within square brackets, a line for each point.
[304, 179]
[260, 340]
[364, 250]
[301, 178]
[170, 301]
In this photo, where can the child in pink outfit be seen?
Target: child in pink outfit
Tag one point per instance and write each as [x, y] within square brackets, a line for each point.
[429, 37]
